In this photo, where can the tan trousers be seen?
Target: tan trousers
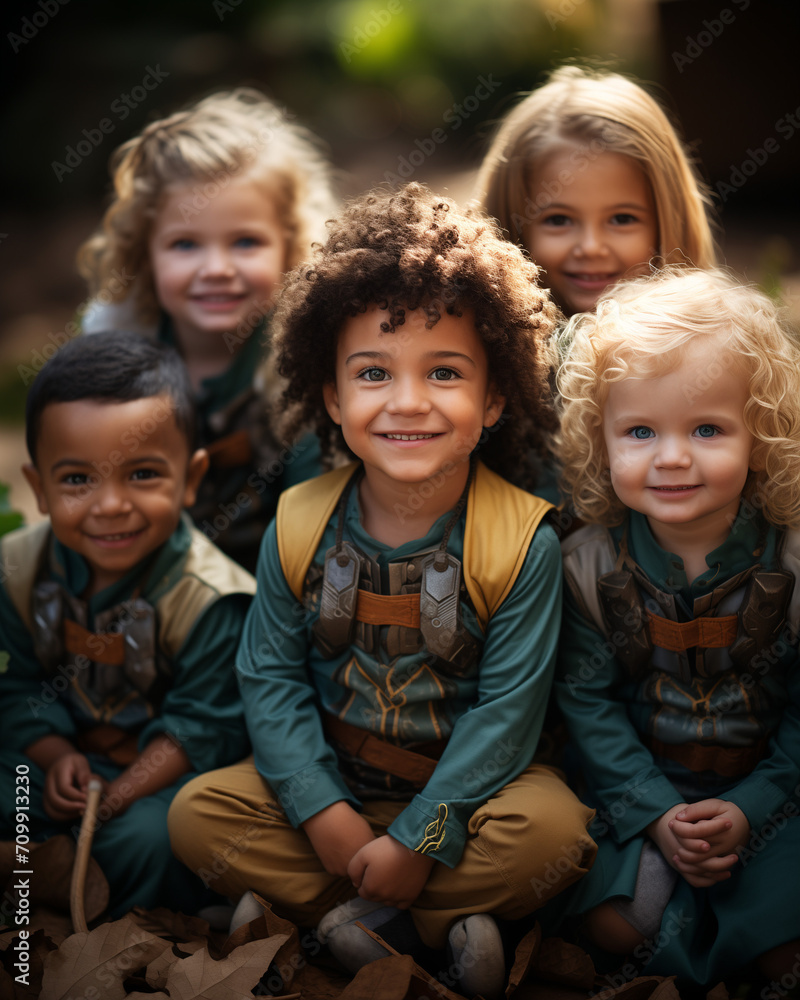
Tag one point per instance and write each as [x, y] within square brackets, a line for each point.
[524, 845]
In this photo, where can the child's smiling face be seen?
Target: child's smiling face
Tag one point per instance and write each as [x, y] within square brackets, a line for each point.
[113, 478]
[681, 458]
[414, 402]
[218, 263]
[598, 226]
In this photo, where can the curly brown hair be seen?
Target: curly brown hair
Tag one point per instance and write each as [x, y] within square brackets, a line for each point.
[412, 249]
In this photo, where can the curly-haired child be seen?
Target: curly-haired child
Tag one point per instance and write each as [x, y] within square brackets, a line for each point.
[589, 175]
[397, 668]
[678, 671]
[211, 205]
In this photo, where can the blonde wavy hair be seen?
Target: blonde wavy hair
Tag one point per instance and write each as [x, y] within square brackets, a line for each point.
[602, 112]
[231, 134]
[641, 329]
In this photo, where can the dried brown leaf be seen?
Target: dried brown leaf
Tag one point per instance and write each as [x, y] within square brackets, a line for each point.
[203, 978]
[524, 958]
[94, 964]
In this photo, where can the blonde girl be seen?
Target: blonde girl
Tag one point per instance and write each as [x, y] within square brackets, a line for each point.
[211, 206]
[678, 674]
[589, 175]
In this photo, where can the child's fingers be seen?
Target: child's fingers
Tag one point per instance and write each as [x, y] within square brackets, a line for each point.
[702, 829]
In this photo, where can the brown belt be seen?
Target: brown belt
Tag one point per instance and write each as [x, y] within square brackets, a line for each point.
[388, 609]
[416, 766]
[100, 647]
[111, 742]
[730, 762]
[708, 633]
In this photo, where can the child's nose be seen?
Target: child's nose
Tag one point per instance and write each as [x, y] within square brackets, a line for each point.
[217, 261]
[591, 240]
[408, 396]
[110, 499]
[673, 452]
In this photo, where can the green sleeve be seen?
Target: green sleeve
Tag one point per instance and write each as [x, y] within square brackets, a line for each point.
[620, 771]
[495, 739]
[202, 709]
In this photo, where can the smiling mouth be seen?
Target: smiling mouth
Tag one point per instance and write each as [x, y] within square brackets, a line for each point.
[408, 437]
[674, 489]
[119, 536]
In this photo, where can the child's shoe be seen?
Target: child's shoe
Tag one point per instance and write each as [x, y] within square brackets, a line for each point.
[478, 962]
[354, 949]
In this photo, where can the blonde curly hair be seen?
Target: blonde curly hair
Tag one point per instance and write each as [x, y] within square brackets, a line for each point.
[222, 137]
[641, 329]
[602, 112]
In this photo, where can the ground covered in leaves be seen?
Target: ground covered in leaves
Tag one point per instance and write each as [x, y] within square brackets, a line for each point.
[149, 955]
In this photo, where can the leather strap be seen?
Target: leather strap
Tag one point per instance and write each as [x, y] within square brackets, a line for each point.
[708, 633]
[415, 765]
[232, 450]
[730, 762]
[99, 647]
[387, 609]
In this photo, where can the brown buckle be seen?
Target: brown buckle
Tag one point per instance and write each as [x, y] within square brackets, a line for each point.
[232, 450]
[388, 609]
[708, 633]
[412, 765]
[99, 647]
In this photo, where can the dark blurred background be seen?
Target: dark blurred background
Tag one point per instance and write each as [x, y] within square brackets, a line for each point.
[373, 78]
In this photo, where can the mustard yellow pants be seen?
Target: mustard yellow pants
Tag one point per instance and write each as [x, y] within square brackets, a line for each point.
[524, 845]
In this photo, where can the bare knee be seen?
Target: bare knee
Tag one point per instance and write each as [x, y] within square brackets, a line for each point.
[611, 931]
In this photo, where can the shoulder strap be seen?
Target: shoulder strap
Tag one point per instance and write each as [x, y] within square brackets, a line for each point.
[501, 521]
[303, 514]
[208, 574]
[21, 555]
[790, 560]
[588, 554]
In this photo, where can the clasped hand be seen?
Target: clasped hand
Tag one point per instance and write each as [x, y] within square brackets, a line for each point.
[701, 840]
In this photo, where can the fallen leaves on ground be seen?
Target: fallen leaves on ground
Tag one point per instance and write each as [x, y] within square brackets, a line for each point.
[162, 955]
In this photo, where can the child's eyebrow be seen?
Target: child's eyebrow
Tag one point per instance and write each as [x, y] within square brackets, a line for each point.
[389, 355]
[136, 460]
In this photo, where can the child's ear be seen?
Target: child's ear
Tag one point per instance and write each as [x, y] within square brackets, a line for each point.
[495, 404]
[198, 465]
[331, 397]
[31, 473]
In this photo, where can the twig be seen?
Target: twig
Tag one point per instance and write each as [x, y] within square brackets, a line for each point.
[78, 883]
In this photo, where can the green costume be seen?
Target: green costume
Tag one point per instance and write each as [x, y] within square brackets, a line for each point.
[675, 692]
[180, 613]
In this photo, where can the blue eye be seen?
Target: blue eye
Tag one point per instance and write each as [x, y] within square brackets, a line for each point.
[246, 242]
[641, 433]
[707, 431]
[184, 244]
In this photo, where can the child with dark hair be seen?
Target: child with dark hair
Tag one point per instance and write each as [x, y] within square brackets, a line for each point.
[118, 620]
[397, 662]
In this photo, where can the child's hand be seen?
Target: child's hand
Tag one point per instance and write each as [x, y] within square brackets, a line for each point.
[711, 871]
[709, 834]
[337, 833]
[65, 786]
[389, 872]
